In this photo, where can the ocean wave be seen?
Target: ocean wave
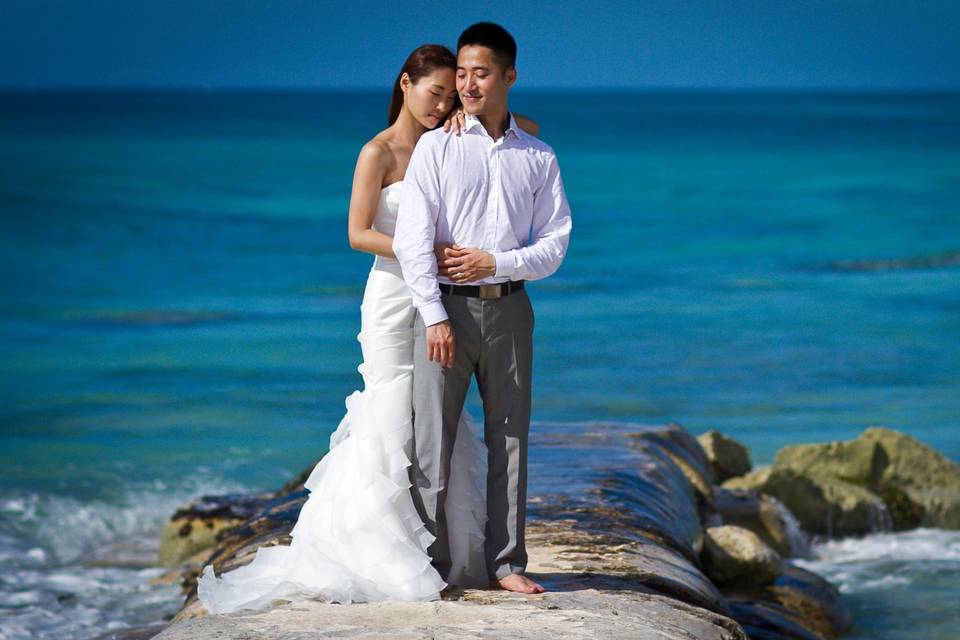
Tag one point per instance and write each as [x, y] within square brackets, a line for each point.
[885, 561]
[55, 530]
[916, 544]
[52, 587]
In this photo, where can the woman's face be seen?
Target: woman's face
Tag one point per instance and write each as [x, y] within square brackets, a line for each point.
[432, 97]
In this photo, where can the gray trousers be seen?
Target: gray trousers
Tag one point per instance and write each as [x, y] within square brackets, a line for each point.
[494, 341]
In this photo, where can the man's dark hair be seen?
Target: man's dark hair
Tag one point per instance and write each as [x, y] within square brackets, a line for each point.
[493, 37]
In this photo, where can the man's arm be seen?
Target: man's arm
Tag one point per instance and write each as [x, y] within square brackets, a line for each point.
[416, 230]
[550, 233]
[413, 241]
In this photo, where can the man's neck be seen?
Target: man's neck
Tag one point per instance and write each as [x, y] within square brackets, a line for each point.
[495, 123]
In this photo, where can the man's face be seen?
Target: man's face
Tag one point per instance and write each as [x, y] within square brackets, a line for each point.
[481, 81]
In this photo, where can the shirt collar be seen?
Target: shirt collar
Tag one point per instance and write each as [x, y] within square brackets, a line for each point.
[471, 121]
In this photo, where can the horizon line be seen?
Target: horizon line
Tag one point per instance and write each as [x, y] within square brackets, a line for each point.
[104, 88]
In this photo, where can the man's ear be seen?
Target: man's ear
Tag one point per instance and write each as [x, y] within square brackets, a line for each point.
[511, 76]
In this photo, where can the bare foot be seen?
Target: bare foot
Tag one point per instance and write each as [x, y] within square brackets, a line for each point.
[518, 583]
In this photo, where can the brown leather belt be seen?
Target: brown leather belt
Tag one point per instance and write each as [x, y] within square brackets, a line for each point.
[483, 291]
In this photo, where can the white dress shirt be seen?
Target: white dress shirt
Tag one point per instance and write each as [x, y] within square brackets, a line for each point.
[503, 196]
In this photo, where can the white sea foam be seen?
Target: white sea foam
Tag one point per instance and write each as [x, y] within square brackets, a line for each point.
[917, 544]
[46, 590]
[886, 560]
[62, 529]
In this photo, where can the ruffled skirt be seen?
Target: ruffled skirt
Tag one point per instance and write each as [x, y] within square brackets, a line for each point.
[358, 537]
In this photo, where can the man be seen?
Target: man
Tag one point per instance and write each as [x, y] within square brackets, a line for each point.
[494, 194]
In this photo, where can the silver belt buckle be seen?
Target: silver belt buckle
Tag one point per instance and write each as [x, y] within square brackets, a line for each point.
[489, 291]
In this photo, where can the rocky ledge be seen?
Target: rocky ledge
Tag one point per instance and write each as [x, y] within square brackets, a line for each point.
[646, 544]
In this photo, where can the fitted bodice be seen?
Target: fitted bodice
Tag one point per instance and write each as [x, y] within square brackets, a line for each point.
[385, 221]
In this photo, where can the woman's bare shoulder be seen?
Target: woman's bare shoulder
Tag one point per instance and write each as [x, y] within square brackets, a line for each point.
[377, 152]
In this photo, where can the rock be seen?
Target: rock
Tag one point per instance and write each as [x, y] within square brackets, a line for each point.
[920, 485]
[597, 584]
[133, 633]
[737, 556]
[752, 480]
[727, 457]
[825, 505]
[796, 596]
[770, 621]
[929, 478]
[196, 526]
[238, 546]
[860, 462]
[657, 499]
[620, 558]
[686, 454]
[764, 515]
[608, 558]
[584, 614]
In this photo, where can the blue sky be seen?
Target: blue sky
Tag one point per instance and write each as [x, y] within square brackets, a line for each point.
[879, 44]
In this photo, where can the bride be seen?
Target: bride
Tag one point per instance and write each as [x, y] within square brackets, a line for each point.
[358, 537]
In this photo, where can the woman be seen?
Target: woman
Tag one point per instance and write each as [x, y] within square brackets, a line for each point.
[358, 537]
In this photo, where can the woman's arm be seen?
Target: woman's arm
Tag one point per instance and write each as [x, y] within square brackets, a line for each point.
[527, 124]
[367, 183]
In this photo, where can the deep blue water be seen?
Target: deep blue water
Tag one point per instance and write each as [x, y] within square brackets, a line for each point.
[180, 304]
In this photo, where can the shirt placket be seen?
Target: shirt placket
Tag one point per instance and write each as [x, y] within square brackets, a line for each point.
[492, 213]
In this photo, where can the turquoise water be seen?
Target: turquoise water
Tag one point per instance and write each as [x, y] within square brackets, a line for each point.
[180, 305]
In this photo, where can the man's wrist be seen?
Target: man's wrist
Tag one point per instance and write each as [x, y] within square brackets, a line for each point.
[433, 313]
[504, 264]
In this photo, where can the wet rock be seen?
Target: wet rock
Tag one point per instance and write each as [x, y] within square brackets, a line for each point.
[766, 516]
[737, 556]
[727, 457]
[686, 453]
[196, 526]
[796, 598]
[621, 558]
[824, 505]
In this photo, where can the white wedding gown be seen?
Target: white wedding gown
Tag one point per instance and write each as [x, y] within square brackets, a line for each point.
[358, 537]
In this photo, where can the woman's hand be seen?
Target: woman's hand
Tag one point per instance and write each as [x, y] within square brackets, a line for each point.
[440, 251]
[456, 123]
[466, 265]
[444, 251]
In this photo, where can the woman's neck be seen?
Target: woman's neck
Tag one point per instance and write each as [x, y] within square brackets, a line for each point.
[408, 129]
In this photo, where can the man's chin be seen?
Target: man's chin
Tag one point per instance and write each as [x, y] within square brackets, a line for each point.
[475, 109]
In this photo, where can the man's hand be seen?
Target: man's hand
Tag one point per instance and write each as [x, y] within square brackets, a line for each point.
[441, 346]
[466, 265]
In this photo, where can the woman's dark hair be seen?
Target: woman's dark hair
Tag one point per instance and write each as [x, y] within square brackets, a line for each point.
[493, 37]
[424, 60]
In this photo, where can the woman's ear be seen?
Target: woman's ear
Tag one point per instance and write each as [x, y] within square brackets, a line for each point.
[405, 82]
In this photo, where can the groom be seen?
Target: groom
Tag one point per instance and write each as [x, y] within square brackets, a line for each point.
[494, 194]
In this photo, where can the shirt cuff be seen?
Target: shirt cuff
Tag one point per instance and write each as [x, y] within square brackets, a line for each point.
[433, 313]
[505, 266]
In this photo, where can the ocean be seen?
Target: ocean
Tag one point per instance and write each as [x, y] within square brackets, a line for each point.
[180, 308]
